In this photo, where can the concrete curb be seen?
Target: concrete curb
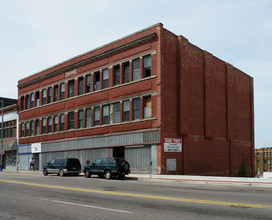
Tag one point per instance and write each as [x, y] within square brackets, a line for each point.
[211, 180]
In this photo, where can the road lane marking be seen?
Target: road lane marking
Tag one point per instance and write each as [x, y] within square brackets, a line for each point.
[88, 206]
[211, 202]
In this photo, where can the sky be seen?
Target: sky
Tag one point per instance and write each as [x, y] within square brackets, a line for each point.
[36, 34]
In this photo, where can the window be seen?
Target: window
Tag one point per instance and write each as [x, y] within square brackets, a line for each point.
[56, 123]
[49, 91]
[96, 81]
[37, 94]
[88, 79]
[71, 119]
[27, 129]
[264, 154]
[105, 76]
[126, 110]
[11, 132]
[136, 108]
[105, 114]
[147, 107]
[22, 129]
[56, 93]
[80, 85]
[62, 119]
[96, 116]
[116, 112]
[27, 101]
[32, 128]
[258, 154]
[44, 96]
[88, 117]
[43, 125]
[136, 69]
[22, 103]
[147, 66]
[62, 91]
[71, 91]
[80, 119]
[49, 124]
[258, 162]
[37, 127]
[116, 75]
[125, 72]
[32, 100]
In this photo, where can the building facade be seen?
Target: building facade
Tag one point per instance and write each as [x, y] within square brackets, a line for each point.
[151, 97]
[10, 118]
[263, 160]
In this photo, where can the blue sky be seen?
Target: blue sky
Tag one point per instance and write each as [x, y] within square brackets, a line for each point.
[35, 35]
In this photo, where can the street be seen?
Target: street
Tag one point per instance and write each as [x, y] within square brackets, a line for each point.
[33, 196]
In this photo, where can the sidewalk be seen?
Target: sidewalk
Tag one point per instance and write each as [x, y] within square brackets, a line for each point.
[234, 181]
[212, 180]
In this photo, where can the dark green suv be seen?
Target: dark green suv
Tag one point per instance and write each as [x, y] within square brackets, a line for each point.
[62, 167]
[108, 167]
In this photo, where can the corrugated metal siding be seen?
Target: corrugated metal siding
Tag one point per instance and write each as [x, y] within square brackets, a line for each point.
[24, 161]
[104, 141]
[139, 158]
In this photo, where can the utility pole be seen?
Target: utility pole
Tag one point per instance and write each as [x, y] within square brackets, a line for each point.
[2, 149]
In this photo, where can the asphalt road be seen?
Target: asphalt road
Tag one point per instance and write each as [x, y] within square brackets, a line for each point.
[32, 196]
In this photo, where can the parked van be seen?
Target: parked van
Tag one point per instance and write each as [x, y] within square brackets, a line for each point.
[62, 167]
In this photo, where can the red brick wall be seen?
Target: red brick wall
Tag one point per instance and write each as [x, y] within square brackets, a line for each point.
[209, 105]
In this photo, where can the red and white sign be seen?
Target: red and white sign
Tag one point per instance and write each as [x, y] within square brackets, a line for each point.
[172, 145]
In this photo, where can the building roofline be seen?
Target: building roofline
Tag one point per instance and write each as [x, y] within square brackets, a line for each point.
[90, 51]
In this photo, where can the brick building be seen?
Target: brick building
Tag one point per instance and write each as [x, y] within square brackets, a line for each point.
[149, 97]
[10, 118]
[263, 160]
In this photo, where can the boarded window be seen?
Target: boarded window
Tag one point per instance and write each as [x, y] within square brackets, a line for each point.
[147, 107]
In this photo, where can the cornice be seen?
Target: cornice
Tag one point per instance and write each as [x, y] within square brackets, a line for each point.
[91, 59]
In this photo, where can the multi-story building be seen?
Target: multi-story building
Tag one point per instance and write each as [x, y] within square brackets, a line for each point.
[151, 97]
[263, 160]
[9, 125]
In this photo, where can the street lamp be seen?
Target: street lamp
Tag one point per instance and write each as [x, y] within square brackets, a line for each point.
[2, 134]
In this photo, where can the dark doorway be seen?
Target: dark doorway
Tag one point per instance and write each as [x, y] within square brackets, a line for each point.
[119, 152]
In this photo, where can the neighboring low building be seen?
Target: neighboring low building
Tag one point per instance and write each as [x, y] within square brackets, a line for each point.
[10, 118]
[263, 160]
[151, 97]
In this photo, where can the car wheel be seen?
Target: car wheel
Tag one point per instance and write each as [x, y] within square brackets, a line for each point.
[87, 173]
[45, 173]
[61, 172]
[107, 174]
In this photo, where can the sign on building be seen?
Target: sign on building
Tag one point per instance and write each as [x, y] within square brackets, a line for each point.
[172, 145]
[36, 148]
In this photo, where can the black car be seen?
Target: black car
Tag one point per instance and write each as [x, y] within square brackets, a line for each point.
[62, 167]
[108, 167]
